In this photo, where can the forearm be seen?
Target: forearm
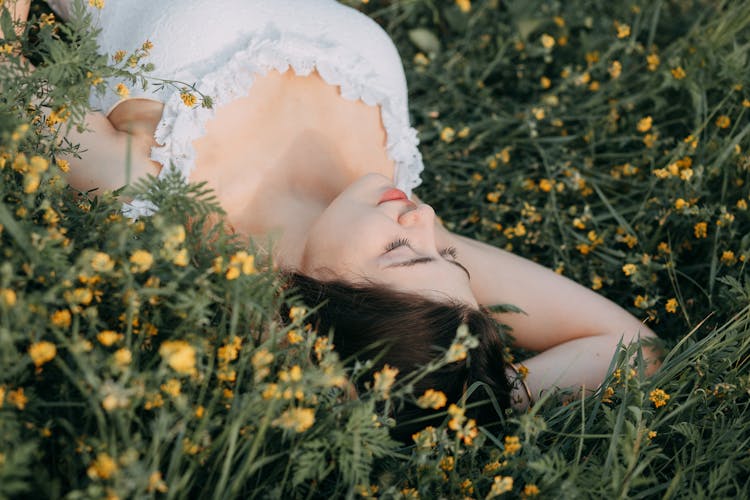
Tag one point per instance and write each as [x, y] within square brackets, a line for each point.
[109, 158]
[19, 12]
[577, 365]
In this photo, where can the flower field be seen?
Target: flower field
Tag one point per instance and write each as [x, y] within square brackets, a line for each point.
[162, 358]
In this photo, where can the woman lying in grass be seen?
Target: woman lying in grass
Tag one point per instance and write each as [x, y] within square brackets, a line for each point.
[308, 142]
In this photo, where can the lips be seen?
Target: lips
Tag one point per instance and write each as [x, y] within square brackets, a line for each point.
[393, 194]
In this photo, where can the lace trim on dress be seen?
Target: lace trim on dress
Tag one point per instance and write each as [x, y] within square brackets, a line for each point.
[181, 125]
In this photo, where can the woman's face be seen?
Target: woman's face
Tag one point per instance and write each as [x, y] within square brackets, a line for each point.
[365, 234]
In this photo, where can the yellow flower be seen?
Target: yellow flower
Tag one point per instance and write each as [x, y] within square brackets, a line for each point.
[728, 258]
[671, 305]
[99, 4]
[651, 434]
[432, 399]
[118, 56]
[384, 380]
[261, 358]
[122, 90]
[230, 351]
[545, 82]
[629, 269]
[447, 463]
[179, 355]
[101, 262]
[42, 352]
[296, 312]
[147, 45]
[174, 236]
[103, 467]
[548, 41]
[31, 182]
[623, 30]
[701, 230]
[678, 73]
[293, 337]
[297, 419]
[142, 261]
[447, 134]
[421, 60]
[658, 397]
[511, 446]
[426, 438]
[156, 483]
[500, 485]
[504, 155]
[644, 124]
[63, 165]
[653, 61]
[123, 357]
[530, 490]
[615, 69]
[271, 391]
[56, 116]
[723, 121]
[79, 296]
[741, 204]
[596, 283]
[641, 302]
[181, 258]
[240, 263]
[8, 297]
[679, 204]
[188, 99]
[61, 318]
[172, 387]
[464, 133]
[18, 398]
[456, 352]
[493, 197]
[108, 337]
[464, 5]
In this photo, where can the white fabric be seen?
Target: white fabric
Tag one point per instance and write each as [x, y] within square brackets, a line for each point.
[220, 45]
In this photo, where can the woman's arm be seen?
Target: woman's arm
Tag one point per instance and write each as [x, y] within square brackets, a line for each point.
[109, 158]
[19, 11]
[575, 330]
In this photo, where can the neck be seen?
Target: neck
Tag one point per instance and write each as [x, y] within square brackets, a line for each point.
[287, 203]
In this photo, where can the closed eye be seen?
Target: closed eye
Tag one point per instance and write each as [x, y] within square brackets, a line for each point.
[404, 242]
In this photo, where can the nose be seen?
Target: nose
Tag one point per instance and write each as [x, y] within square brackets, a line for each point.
[422, 214]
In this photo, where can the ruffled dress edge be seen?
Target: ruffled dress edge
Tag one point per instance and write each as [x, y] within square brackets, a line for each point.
[180, 125]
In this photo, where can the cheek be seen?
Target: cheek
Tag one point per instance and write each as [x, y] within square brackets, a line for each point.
[344, 245]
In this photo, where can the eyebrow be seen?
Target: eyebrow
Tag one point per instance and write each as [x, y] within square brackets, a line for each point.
[426, 260]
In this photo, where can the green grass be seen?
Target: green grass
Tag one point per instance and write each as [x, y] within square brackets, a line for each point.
[539, 147]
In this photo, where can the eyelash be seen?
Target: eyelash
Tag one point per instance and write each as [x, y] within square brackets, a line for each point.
[402, 242]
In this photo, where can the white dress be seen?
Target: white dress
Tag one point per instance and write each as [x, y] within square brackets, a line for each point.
[221, 45]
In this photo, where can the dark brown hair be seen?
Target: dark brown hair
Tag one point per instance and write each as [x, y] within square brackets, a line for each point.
[406, 331]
